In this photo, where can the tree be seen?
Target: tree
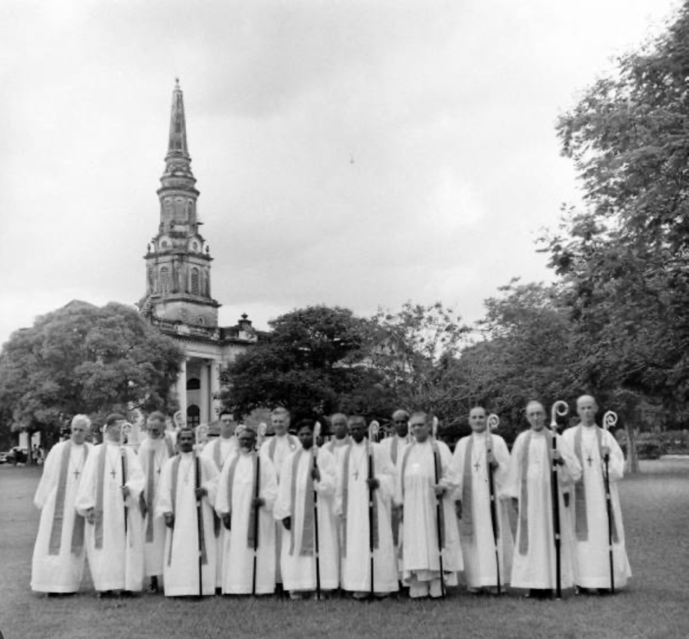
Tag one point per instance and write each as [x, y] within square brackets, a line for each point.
[416, 351]
[85, 359]
[624, 261]
[312, 362]
[526, 354]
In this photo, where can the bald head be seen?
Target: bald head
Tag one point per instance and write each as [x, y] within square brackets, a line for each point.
[587, 409]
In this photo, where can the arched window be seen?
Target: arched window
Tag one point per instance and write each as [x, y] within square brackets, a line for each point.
[195, 281]
[164, 279]
[193, 416]
[193, 383]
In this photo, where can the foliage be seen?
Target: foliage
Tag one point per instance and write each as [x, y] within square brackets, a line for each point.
[313, 362]
[526, 354]
[85, 359]
[624, 261]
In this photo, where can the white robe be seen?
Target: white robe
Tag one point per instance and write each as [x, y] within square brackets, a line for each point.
[154, 551]
[284, 447]
[181, 566]
[238, 562]
[119, 564]
[420, 556]
[356, 559]
[299, 572]
[478, 549]
[228, 447]
[395, 447]
[592, 556]
[536, 568]
[62, 572]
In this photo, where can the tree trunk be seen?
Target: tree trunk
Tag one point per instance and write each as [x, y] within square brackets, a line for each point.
[632, 457]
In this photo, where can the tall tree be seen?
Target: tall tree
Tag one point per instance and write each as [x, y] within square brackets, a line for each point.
[85, 359]
[625, 260]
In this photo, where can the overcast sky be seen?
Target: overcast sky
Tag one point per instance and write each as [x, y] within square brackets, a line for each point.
[351, 153]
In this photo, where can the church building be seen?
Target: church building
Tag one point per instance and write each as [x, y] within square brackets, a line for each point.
[178, 298]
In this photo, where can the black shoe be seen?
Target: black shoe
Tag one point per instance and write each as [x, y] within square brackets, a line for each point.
[153, 586]
[105, 594]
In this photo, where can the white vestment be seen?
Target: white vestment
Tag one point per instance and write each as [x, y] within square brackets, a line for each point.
[356, 551]
[238, 562]
[299, 570]
[592, 554]
[477, 538]
[118, 564]
[416, 477]
[60, 572]
[153, 453]
[277, 449]
[181, 564]
[395, 447]
[534, 564]
[219, 450]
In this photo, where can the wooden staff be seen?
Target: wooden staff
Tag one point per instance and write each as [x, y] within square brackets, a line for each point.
[438, 510]
[559, 408]
[199, 509]
[609, 420]
[373, 430]
[316, 434]
[126, 428]
[492, 424]
[257, 493]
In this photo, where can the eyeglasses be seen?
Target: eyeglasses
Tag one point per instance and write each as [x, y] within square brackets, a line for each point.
[400, 421]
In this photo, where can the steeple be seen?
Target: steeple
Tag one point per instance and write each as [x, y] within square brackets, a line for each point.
[178, 160]
[178, 277]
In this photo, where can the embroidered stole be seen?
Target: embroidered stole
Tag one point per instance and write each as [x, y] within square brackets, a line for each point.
[201, 529]
[581, 526]
[524, 491]
[59, 510]
[308, 525]
[345, 496]
[255, 475]
[100, 487]
[437, 464]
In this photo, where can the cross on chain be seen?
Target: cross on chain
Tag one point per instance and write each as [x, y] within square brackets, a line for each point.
[356, 474]
[158, 471]
[113, 473]
[477, 465]
[76, 473]
[589, 459]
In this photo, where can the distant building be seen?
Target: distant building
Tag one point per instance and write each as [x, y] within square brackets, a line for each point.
[178, 282]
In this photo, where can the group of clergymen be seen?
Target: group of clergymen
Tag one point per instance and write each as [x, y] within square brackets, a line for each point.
[367, 518]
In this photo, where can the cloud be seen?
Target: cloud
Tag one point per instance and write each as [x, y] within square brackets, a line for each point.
[350, 153]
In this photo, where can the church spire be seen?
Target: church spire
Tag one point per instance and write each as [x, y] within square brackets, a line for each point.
[177, 145]
[178, 160]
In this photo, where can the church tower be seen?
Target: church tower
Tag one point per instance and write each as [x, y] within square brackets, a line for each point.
[178, 261]
[178, 284]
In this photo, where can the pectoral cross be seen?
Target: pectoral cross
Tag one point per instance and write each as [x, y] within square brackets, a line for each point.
[589, 459]
[356, 474]
[76, 473]
[113, 473]
[158, 471]
[477, 465]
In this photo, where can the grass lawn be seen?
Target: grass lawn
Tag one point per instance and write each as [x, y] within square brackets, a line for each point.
[656, 604]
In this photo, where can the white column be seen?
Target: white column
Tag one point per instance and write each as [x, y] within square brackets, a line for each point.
[215, 387]
[182, 389]
[204, 399]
